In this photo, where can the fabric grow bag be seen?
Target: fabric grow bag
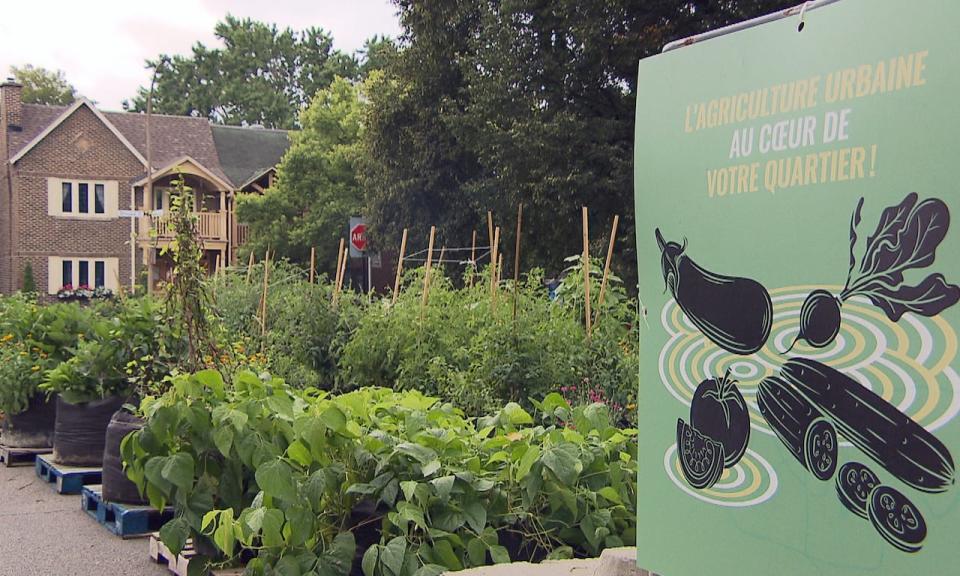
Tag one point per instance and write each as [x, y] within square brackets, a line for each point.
[115, 484]
[32, 428]
[80, 431]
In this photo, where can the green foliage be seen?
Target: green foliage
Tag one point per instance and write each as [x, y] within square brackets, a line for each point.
[42, 86]
[29, 284]
[298, 478]
[263, 75]
[127, 347]
[317, 189]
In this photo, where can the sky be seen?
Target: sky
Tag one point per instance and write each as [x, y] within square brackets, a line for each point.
[101, 45]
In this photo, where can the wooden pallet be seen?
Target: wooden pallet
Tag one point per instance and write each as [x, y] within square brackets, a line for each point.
[66, 479]
[20, 456]
[179, 564]
[124, 520]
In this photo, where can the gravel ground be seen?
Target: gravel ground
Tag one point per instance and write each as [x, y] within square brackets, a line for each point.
[43, 533]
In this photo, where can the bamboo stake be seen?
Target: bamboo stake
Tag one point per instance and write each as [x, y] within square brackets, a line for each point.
[606, 266]
[250, 267]
[490, 228]
[344, 254]
[500, 271]
[313, 262]
[473, 259]
[263, 299]
[586, 272]
[396, 282]
[516, 262]
[443, 252]
[336, 276]
[426, 273]
[493, 267]
[216, 267]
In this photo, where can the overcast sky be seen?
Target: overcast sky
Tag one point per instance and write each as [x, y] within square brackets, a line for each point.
[101, 45]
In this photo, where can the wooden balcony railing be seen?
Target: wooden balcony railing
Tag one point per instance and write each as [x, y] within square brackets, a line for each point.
[212, 226]
[243, 232]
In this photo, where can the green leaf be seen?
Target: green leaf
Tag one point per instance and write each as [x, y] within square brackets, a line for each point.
[275, 478]
[561, 553]
[391, 555]
[499, 555]
[444, 553]
[223, 439]
[563, 460]
[299, 453]
[610, 494]
[412, 513]
[409, 488]
[421, 454]
[430, 468]
[212, 380]
[527, 461]
[334, 419]
[370, 558]
[514, 414]
[443, 486]
[253, 519]
[299, 524]
[338, 558]
[223, 536]
[430, 570]
[477, 552]
[178, 470]
[153, 470]
[272, 529]
[174, 534]
[475, 514]
[208, 518]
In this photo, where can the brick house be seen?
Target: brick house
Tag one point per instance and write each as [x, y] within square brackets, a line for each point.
[71, 176]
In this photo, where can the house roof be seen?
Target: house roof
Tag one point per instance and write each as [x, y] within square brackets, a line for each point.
[248, 153]
[232, 154]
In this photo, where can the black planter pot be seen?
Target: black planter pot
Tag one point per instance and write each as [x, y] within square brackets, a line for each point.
[80, 431]
[115, 484]
[32, 428]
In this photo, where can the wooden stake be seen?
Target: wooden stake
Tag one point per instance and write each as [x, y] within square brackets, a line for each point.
[263, 298]
[516, 262]
[336, 276]
[426, 273]
[313, 262]
[250, 267]
[490, 228]
[499, 271]
[344, 254]
[493, 266]
[606, 266]
[443, 252]
[396, 282]
[586, 272]
[473, 259]
[216, 267]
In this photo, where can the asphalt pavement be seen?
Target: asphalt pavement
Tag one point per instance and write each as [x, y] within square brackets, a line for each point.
[43, 533]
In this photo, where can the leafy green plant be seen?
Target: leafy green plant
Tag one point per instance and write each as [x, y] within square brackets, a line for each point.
[29, 285]
[298, 480]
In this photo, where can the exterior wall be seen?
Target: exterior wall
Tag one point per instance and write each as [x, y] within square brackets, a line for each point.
[81, 148]
[5, 209]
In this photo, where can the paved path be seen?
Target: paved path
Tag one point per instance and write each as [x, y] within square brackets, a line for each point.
[43, 533]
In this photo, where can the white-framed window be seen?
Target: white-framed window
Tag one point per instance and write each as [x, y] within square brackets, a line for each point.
[76, 271]
[91, 199]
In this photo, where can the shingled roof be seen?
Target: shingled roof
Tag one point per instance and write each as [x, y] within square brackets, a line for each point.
[246, 153]
[235, 154]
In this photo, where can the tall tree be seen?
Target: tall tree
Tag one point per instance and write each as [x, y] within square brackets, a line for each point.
[263, 75]
[42, 86]
[317, 188]
[495, 103]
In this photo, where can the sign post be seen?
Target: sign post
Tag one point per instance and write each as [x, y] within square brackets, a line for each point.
[799, 389]
[358, 245]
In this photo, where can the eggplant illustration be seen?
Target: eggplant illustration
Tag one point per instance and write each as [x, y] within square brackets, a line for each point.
[897, 519]
[885, 434]
[734, 313]
[809, 437]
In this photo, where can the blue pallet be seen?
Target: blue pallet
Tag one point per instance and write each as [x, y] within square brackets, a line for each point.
[122, 519]
[67, 479]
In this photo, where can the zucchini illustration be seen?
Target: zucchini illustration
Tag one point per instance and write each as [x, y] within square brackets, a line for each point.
[809, 437]
[734, 313]
[897, 519]
[855, 482]
[885, 434]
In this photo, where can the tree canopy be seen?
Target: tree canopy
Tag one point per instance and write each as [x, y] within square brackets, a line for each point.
[263, 74]
[317, 189]
[491, 104]
[42, 86]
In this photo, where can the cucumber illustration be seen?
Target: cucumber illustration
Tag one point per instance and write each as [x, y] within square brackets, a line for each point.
[897, 519]
[855, 482]
[809, 437]
[885, 434]
[735, 313]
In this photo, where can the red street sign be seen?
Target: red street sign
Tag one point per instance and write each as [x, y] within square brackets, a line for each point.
[358, 237]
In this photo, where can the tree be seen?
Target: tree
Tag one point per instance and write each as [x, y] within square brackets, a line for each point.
[29, 285]
[376, 54]
[317, 188]
[42, 86]
[263, 75]
[495, 103]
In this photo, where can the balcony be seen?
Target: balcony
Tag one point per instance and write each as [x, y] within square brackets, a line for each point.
[211, 225]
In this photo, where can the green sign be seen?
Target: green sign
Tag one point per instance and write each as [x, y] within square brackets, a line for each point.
[799, 388]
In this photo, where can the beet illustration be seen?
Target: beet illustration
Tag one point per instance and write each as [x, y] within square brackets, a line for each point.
[819, 319]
